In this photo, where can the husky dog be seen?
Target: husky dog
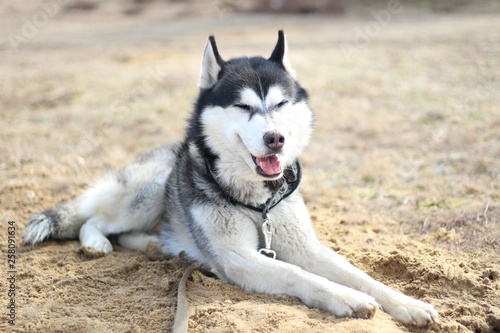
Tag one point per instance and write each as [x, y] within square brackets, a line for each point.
[227, 196]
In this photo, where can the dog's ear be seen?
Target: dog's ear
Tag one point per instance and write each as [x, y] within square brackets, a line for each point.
[280, 53]
[211, 65]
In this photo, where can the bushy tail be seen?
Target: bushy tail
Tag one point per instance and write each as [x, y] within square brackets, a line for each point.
[61, 222]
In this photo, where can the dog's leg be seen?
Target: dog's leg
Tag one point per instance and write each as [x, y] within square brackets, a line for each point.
[320, 260]
[137, 240]
[255, 272]
[93, 240]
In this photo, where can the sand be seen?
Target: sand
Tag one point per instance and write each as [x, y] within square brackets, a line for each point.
[401, 176]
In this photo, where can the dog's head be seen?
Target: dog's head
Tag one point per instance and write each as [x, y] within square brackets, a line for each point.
[251, 118]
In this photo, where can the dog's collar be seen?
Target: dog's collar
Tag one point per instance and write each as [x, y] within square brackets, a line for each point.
[290, 182]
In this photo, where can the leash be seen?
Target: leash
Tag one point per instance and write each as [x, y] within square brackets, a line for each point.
[181, 319]
[289, 183]
[182, 313]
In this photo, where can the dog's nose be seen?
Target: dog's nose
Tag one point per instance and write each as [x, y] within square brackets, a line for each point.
[274, 140]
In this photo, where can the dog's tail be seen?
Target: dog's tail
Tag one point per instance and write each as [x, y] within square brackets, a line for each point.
[61, 222]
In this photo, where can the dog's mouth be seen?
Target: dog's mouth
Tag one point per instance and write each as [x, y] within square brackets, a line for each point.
[268, 166]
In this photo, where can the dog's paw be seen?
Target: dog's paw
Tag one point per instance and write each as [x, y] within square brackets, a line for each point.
[155, 252]
[355, 304]
[365, 311]
[411, 311]
[97, 247]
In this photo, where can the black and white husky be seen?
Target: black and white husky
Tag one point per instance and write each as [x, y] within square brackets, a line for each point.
[227, 196]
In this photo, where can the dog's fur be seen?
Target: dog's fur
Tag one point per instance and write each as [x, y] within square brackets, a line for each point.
[250, 124]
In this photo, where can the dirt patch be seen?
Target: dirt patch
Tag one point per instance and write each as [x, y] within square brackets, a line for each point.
[401, 176]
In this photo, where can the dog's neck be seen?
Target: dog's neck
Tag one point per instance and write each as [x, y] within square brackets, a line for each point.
[249, 192]
[274, 185]
[258, 196]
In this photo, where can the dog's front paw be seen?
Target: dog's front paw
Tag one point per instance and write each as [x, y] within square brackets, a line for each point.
[365, 310]
[354, 304]
[411, 311]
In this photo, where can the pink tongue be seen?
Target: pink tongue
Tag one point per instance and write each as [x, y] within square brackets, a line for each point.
[271, 165]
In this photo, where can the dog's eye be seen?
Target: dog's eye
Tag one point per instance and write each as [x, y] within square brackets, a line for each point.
[282, 103]
[245, 107]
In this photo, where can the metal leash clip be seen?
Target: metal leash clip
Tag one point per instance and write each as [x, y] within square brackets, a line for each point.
[267, 230]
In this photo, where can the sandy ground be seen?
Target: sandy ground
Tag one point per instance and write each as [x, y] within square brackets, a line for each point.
[401, 176]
